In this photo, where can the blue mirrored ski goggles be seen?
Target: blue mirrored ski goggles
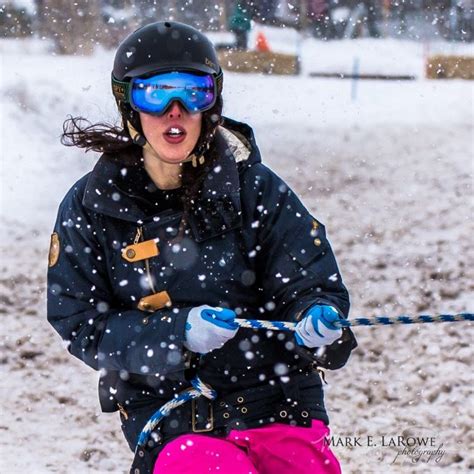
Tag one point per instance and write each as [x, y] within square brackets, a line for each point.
[154, 94]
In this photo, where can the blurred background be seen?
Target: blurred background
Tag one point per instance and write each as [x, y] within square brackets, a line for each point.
[365, 108]
[104, 22]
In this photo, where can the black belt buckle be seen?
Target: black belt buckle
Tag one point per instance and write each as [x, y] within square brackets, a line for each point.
[209, 425]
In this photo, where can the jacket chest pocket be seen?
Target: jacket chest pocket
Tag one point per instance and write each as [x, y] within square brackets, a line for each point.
[187, 269]
[311, 244]
[218, 261]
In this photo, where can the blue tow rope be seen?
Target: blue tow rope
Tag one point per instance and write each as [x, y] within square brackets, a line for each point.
[374, 321]
[199, 388]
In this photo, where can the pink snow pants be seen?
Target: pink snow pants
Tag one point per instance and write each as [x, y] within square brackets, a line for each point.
[271, 449]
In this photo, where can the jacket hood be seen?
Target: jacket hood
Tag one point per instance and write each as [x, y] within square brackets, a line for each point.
[115, 187]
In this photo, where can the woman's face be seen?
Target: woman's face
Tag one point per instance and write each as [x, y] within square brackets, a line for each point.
[174, 134]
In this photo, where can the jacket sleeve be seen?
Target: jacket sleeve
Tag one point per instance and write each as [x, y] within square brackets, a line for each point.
[296, 267]
[81, 306]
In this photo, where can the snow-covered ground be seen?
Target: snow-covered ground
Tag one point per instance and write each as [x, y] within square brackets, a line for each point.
[387, 166]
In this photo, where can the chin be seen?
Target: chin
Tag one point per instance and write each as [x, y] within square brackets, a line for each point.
[175, 157]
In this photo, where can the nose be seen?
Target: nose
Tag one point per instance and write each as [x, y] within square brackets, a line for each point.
[175, 110]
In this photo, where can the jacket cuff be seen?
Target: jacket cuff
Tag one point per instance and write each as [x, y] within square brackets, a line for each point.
[178, 331]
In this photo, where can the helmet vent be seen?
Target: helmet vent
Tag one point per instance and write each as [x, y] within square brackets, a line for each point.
[168, 25]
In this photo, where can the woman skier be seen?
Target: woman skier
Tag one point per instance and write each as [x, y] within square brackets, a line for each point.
[179, 230]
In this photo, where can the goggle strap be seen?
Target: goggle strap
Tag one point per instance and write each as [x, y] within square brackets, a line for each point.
[120, 90]
[219, 82]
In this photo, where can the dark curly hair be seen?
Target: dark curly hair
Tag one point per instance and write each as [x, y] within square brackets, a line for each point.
[103, 137]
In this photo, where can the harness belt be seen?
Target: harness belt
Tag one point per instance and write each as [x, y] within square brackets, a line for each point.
[296, 401]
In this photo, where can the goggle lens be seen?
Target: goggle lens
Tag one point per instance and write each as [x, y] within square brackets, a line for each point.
[153, 95]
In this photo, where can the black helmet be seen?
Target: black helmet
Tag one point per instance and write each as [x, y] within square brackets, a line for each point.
[160, 47]
[164, 46]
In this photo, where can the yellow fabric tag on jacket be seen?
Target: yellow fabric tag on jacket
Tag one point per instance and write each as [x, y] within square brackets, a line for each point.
[140, 251]
[155, 301]
[54, 248]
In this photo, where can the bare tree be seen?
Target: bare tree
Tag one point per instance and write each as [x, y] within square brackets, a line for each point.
[75, 26]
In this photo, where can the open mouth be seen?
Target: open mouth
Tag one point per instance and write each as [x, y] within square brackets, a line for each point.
[175, 134]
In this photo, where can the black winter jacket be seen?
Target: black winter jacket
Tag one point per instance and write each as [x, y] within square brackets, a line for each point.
[251, 246]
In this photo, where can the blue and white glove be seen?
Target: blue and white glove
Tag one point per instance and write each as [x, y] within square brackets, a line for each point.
[316, 328]
[208, 328]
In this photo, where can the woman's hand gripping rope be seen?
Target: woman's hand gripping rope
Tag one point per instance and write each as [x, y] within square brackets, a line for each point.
[209, 328]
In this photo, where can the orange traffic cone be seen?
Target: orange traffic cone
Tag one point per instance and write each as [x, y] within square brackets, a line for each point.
[262, 43]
